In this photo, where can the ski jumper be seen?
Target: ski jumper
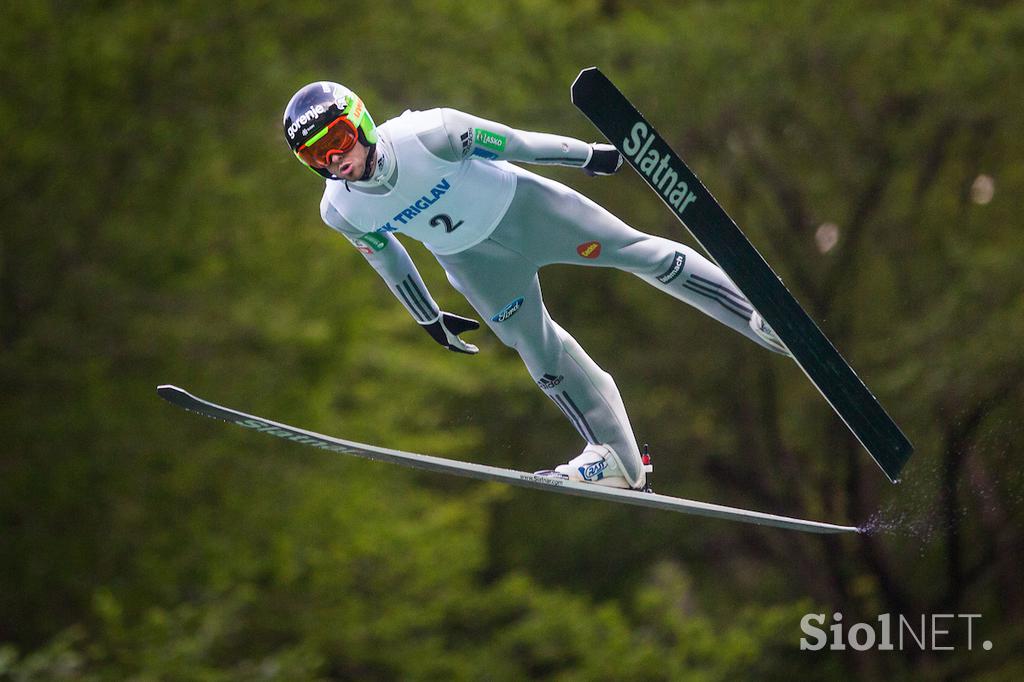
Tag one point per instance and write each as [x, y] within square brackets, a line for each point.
[444, 177]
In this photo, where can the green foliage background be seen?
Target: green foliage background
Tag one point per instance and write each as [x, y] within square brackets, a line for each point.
[157, 230]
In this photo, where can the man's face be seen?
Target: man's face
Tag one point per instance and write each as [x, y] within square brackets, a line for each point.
[350, 165]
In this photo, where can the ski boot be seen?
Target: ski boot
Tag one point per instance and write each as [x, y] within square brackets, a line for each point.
[599, 464]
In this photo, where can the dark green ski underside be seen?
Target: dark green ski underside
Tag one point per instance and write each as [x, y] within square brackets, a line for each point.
[599, 99]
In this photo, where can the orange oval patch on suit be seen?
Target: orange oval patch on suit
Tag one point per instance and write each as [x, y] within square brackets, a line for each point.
[589, 250]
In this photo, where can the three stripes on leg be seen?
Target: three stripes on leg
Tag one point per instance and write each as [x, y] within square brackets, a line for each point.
[575, 415]
[731, 300]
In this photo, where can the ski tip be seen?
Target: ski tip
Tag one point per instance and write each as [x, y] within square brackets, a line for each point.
[165, 391]
[585, 76]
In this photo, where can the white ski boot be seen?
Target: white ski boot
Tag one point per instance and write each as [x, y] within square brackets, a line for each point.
[600, 465]
[768, 335]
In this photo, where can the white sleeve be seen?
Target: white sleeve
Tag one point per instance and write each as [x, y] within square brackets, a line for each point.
[391, 261]
[469, 135]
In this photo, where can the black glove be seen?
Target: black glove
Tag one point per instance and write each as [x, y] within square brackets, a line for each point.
[446, 329]
[604, 160]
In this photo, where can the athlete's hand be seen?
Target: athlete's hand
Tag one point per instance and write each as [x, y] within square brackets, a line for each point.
[446, 329]
[604, 159]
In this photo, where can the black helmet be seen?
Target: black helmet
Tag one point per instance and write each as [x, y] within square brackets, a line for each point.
[321, 109]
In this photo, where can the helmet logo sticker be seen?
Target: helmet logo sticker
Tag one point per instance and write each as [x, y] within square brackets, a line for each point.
[308, 116]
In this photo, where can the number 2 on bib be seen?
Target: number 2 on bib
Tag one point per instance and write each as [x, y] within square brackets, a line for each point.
[446, 220]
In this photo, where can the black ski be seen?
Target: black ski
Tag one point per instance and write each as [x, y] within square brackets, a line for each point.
[695, 207]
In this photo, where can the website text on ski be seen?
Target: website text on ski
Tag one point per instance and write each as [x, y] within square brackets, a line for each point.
[641, 145]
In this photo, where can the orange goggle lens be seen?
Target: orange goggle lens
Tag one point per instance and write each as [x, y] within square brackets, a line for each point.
[337, 138]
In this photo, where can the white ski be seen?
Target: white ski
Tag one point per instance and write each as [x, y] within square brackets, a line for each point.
[187, 401]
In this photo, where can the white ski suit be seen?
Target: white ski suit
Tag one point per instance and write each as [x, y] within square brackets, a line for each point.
[443, 177]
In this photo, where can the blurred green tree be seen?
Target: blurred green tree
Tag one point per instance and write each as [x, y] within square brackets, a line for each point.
[157, 230]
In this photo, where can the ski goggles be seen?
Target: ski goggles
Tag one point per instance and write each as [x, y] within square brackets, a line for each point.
[337, 138]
